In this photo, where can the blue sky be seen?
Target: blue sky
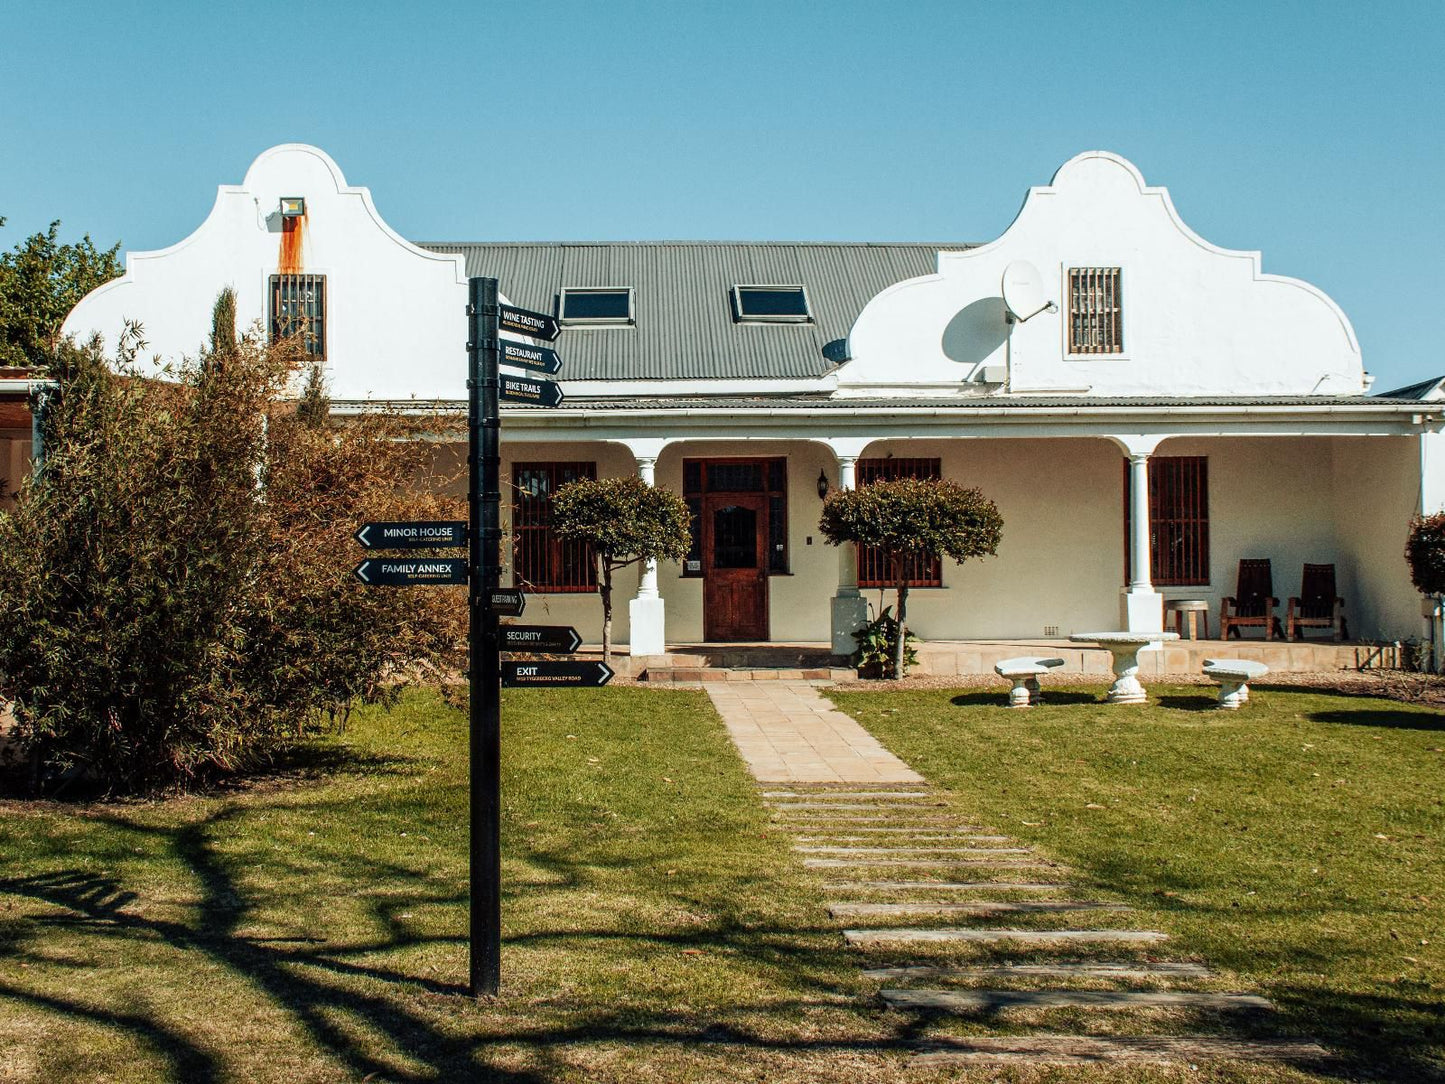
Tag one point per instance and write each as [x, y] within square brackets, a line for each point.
[1310, 131]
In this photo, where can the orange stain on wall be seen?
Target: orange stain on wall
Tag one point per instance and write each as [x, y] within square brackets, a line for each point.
[292, 232]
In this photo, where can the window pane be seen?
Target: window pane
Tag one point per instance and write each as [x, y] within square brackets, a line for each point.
[777, 534]
[771, 301]
[734, 478]
[692, 476]
[692, 564]
[596, 304]
[734, 537]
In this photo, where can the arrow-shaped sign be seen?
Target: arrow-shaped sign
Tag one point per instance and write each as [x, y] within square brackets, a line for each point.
[536, 325]
[422, 534]
[523, 389]
[578, 675]
[507, 601]
[411, 572]
[537, 358]
[549, 639]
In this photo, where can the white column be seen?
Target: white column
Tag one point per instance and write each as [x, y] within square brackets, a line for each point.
[850, 609]
[645, 613]
[1143, 609]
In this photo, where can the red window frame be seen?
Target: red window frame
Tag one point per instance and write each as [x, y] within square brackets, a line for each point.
[1178, 520]
[541, 561]
[873, 565]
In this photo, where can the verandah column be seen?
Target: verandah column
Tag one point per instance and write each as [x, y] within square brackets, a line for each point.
[1143, 606]
[850, 608]
[646, 617]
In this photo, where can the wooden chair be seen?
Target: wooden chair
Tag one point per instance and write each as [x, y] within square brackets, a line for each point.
[1317, 607]
[1253, 603]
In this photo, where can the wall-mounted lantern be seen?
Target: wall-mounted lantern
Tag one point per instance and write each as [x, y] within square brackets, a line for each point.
[822, 485]
[293, 206]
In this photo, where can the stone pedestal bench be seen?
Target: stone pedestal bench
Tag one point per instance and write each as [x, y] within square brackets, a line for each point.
[1024, 672]
[1234, 676]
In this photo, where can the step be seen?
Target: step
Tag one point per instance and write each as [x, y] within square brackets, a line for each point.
[927, 863]
[677, 675]
[1058, 970]
[987, 907]
[951, 886]
[789, 807]
[1138, 937]
[961, 833]
[849, 794]
[999, 1000]
[1091, 1049]
[910, 852]
[812, 820]
[835, 837]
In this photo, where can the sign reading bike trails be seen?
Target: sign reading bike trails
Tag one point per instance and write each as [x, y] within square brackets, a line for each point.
[537, 358]
[578, 675]
[549, 639]
[523, 389]
[411, 571]
[536, 325]
[417, 535]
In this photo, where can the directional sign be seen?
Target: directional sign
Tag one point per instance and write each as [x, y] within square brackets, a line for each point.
[423, 534]
[537, 358]
[580, 675]
[507, 601]
[550, 639]
[537, 325]
[411, 571]
[523, 389]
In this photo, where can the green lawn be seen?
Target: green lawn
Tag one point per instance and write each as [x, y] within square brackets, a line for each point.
[1298, 843]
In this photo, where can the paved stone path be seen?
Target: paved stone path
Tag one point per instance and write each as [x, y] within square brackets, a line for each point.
[787, 733]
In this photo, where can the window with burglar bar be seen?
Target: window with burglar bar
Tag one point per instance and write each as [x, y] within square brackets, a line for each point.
[1096, 314]
[298, 304]
[541, 561]
[1178, 520]
[874, 568]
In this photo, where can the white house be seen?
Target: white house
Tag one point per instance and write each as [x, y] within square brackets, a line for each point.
[1171, 411]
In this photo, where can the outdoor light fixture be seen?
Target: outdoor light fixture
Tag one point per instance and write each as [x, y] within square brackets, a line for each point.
[822, 485]
[293, 206]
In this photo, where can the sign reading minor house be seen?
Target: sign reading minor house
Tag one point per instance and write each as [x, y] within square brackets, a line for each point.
[522, 389]
[411, 571]
[578, 675]
[417, 535]
[537, 325]
[507, 601]
[551, 639]
[537, 358]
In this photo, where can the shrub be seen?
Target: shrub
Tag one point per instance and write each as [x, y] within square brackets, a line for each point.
[179, 598]
[1425, 552]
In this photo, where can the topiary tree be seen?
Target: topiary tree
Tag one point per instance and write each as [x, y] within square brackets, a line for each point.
[1425, 552]
[913, 518]
[624, 520]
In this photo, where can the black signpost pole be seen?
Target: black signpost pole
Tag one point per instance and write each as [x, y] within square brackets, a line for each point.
[484, 673]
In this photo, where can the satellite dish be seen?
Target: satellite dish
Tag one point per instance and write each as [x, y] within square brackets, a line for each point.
[1023, 291]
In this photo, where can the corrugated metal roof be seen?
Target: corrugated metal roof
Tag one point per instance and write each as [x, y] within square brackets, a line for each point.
[685, 328]
[968, 403]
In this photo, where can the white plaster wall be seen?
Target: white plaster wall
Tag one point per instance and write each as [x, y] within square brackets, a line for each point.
[396, 323]
[1198, 319]
[1432, 473]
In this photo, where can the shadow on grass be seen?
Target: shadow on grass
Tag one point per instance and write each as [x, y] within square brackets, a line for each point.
[1393, 718]
[999, 699]
[1186, 702]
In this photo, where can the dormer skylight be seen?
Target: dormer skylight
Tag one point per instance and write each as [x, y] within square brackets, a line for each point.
[771, 304]
[596, 306]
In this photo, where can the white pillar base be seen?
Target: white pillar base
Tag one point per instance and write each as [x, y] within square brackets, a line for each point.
[850, 613]
[1143, 611]
[647, 630]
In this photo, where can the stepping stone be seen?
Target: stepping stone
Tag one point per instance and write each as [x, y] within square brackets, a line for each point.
[849, 794]
[911, 852]
[1091, 1050]
[1140, 937]
[998, 907]
[929, 863]
[997, 1000]
[834, 837]
[950, 886]
[1066, 970]
[958, 834]
[815, 819]
[784, 807]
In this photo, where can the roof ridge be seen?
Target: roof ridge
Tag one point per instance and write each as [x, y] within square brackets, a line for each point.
[703, 244]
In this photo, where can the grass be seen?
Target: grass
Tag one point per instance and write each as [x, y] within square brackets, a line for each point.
[1297, 844]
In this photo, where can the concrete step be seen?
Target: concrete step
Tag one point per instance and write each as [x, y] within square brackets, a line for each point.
[926, 819]
[837, 837]
[877, 807]
[927, 863]
[950, 886]
[1056, 970]
[698, 675]
[970, 1001]
[905, 936]
[909, 852]
[984, 907]
[913, 795]
[1128, 1049]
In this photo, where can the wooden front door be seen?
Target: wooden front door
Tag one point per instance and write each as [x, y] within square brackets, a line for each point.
[735, 567]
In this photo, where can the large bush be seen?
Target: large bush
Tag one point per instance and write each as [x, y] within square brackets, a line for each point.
[178, 593]
[1425, 552]
[912, 517]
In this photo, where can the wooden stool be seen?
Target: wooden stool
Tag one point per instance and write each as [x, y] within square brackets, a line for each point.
[1195, 608]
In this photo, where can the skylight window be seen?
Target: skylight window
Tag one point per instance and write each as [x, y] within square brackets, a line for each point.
[599, 306]
[785, 304]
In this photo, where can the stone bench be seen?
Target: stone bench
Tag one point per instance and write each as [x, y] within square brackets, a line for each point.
[1024, 672]
[1234, 676]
